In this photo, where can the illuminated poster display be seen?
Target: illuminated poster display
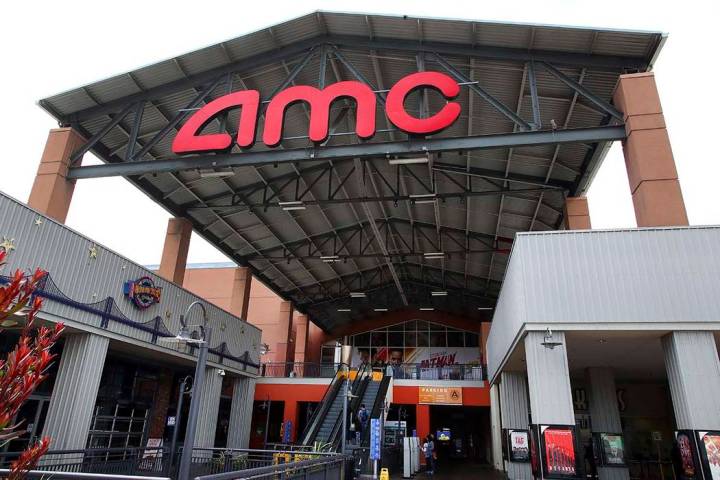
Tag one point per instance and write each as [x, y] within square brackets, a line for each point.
[687, 464]
[612, 449]
[709, 445]
[519, 445]
[558, 451]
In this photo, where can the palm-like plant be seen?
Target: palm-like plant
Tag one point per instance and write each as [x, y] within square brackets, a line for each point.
[25, 367]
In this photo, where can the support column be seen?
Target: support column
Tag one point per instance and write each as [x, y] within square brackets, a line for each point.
[75, 393]
[548, 380]
[290, 413]
[514, 414]
[604, 413]
[161, 404]
[240, 296]
[577, 214]
[241, 412]
[496, 427]
[301, 337]
[316, 338]
[207, 419]
[422, 424]
[175, 251]
[693, 370]
[654, 184]
[283, 334]
[52, 191]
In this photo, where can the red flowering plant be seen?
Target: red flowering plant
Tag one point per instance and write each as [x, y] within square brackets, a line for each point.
[25, 367]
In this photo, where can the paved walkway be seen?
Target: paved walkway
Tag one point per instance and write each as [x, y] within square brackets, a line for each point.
[459, 471]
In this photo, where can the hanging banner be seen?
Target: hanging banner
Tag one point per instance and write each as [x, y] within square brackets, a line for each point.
[440, 395]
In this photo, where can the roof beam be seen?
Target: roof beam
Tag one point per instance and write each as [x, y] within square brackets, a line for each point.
[366, 150]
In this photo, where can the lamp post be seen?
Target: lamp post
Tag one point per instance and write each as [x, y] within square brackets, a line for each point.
[184, 337]
[178, 416]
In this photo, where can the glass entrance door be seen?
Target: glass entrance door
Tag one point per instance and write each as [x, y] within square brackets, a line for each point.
[31, 418]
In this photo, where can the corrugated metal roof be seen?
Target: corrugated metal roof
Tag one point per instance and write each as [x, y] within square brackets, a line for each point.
[383, 49]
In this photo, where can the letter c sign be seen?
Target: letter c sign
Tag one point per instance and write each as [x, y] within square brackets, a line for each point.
[395, 103]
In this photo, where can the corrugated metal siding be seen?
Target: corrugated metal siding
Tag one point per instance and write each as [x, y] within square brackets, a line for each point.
[648, 275]
[65, 255]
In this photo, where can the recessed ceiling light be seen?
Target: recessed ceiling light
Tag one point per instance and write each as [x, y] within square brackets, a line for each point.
[426, 309]
[381, 309]
[343, 310]
[357, 295]
[407, 161]
[485, 308]
[440, 293]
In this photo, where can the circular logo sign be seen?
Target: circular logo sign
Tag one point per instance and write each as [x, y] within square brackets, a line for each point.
[142, 292]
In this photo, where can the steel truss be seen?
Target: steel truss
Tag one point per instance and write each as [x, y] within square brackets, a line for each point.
[392, 242]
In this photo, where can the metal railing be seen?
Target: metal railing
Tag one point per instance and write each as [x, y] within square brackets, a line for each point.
[323, 467]
[418, 371]
[45, 474]
[121, 463]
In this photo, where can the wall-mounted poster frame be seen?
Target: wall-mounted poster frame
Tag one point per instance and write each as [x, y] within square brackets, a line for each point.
[687, 462]
[610, 448]
[708, 444]
[558, 451]
[518, 445]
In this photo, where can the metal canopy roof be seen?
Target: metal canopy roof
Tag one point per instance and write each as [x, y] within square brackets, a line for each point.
[535, 124]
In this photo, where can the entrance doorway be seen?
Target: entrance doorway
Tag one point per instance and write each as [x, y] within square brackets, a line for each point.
[461, 433]
[31, 417]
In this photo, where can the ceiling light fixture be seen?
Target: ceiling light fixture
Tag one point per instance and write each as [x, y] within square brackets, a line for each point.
[293, 205]
[426, 309]
[434, 255]
[343, 310]
[357, 295]
[381, 309]
[408, 161]
[441, 293]
[486, 308]
[210, 173]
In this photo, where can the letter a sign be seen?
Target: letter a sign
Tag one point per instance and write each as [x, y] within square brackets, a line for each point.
[190, 139]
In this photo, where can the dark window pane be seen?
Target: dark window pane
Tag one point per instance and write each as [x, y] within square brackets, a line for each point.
[410, 339]
[455, 339]
[437, 339]
[362, 340]
[395, 339]
[471, 339]
[422, 339]
[379, 339]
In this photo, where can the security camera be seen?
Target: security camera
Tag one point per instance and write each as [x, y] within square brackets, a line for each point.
[221, 372]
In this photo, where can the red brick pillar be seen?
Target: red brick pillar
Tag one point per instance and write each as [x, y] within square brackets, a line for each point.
[301, 337]
[52, 191]
[283, 333]
[654, 184]
[315, 340]
[161, 404]
[577, 214]
[240, 296]
[175, 251]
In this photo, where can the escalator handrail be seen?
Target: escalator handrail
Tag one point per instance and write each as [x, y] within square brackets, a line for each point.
[359, 384]
[320, 412]
[377, 408]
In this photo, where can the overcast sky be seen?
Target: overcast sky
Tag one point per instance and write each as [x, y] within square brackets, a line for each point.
[54, 46]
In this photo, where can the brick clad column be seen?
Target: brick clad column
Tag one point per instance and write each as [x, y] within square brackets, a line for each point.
[577, 214]
[654, 184]
[161, 404]
[175, 251]
[52, 191]
[240, 296]
[301, 337]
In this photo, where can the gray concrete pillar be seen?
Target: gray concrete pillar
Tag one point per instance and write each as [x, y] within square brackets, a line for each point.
[75, 392]
[548, 380]
[604, 413]
[693, 370]
[495, 428]
[241, 412]
[209, 406]
[515, 415]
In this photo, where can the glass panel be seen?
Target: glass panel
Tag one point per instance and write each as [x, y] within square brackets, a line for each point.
[455, 339]
[379, 339]
[410, 339]
[422, 339]
[422, 325]
[471, 339]
[411, 326]
[395, 339]
[437, 339]
[398, 327]
[362, 340]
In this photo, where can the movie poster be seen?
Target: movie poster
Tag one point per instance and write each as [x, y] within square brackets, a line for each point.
[429, 360]
[686, 455]
[519, 445]
[613, 449]
[559, 451]
[710, 447]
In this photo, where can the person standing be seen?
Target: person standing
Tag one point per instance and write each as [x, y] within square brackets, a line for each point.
[427, 449]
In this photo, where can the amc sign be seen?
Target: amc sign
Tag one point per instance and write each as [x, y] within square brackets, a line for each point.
[190, 140]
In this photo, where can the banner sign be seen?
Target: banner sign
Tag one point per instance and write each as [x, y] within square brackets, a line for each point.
[440, 395]
[374, 439]
[142, 292]
[558, 451]
[426, 357]
[190, 138]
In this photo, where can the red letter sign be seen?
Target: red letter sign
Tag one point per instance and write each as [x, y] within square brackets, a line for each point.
[320, 101]
[395, 103]
[187, 140]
